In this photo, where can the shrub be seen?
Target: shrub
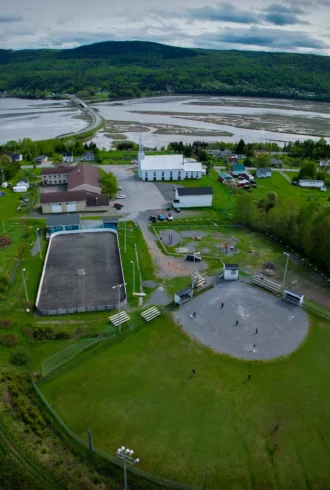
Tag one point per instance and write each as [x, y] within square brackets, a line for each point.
[19, 358]
[4, 283]
[9, 340]
[5, 323]
[5, 240]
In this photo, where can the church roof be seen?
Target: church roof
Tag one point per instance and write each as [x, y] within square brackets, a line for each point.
[170, 162]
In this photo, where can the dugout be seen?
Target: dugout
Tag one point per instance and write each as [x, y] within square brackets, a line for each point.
[293, 297]
[183, 296]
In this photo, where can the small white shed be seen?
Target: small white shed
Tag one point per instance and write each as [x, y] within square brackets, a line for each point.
[293, 297]
[230, 272]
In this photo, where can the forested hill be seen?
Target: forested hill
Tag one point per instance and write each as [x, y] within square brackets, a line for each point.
[134, 68]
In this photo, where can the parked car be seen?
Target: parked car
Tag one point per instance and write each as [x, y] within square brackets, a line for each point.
[194, 257]
[120, 196]
[120, 188]
[169, 217]
[254, 184]
[118, 205]
[177, 210]
[161, 217]
[153, 219]
[2, 194]
[294, 182]
[10, 185]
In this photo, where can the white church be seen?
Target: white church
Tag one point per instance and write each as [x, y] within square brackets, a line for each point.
[167, 167]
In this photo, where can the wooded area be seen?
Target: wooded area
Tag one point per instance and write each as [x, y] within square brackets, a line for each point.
[135, 69]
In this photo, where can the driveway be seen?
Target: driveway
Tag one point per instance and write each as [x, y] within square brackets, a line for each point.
[140, 196]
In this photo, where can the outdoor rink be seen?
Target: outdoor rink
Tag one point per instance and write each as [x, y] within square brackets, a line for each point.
[80, 272]
[281, 326]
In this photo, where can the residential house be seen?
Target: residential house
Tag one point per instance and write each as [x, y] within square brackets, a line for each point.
[233, 159]
[193, 197]
[325, 163]
[23, 183]
[15, 157]
[67, 157]
[262, 173]
[238, 169]
[225, 178]
[88, 157]
[41, 159]
[275, 163]
[311, 184]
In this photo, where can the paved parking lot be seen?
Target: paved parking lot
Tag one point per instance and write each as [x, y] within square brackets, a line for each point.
[140, 196]
[281, 326]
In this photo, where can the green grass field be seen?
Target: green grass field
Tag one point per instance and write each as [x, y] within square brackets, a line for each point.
[139, 393]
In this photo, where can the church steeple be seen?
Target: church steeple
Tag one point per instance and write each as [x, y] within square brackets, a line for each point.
[140, 156]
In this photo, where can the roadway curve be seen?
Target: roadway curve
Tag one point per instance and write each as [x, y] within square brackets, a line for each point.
[96, 119]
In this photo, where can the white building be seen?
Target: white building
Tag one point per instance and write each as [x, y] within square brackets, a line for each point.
[167, 167]
[67, 157]
[193, 197]
[312, 184]
[230, 272]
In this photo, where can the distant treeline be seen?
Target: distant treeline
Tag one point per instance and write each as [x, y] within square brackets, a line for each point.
[136, 69]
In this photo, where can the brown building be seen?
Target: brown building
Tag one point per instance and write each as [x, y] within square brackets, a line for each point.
[83, 189]
[73, 201]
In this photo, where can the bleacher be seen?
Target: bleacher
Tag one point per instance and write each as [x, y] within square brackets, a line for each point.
[150, 314]
[266, 283]
[116, 320]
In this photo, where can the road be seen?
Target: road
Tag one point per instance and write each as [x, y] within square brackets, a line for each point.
[95, 117]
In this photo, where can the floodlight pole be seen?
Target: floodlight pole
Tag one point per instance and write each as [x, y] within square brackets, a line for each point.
[118, 288]
[286, 268]
[126, 455]
[133, 276]
[125, 238]
[24, 282]
[38, 240]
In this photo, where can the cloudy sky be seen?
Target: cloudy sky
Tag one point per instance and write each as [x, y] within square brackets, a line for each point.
[295, 25]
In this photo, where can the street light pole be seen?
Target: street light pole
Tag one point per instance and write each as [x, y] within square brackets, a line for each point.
[133, 276]
[126, 455]
[286, 268]
[24, 282]
[37, 232]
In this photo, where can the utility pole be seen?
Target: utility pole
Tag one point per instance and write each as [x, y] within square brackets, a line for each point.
[38, 240]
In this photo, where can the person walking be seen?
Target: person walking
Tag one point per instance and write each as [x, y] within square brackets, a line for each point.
[222, 305]
[193, 373]
[194, 315]
[249, 376]
[236, 323]
[275, 428]
[256, 331]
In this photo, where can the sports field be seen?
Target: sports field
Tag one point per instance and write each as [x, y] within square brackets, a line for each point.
[80, 272]
[139, 393]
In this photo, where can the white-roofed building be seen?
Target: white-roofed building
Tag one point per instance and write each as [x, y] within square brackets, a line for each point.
[167, 167]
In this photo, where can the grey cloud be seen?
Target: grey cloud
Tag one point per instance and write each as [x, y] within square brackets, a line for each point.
[225, 12]
[281, 15]
[275, 39]
[8, 19]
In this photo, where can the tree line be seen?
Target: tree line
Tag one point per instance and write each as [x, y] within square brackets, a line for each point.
[136, 69]
[303, 227]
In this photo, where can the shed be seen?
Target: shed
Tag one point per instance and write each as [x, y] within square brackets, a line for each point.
[293, 297]
[183, 296]
[62, 222]
[230, 272]
[110, 222]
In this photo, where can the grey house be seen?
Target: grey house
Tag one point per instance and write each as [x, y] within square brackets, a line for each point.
[275, 163]
[262, 173]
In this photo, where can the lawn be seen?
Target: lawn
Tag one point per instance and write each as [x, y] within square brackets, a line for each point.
[139, 393]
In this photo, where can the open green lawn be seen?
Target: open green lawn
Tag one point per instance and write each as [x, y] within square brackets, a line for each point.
[139, 393]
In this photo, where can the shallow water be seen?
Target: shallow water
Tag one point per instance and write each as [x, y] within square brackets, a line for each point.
[252, 119]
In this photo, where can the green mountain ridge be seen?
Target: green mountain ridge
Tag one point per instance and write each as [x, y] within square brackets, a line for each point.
[138, 68]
